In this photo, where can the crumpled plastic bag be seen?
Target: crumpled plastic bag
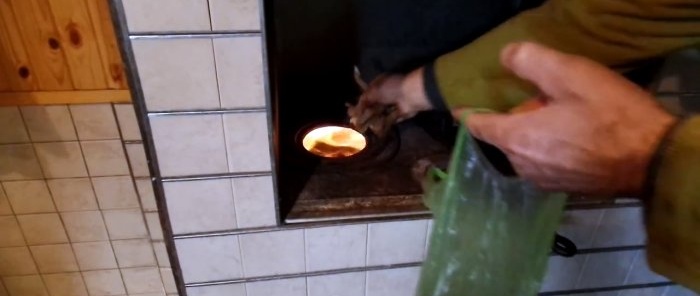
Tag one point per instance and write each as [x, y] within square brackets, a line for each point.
[492, 232]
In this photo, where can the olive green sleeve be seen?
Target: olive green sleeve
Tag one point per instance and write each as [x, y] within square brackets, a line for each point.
[615, 33]
[673, 211]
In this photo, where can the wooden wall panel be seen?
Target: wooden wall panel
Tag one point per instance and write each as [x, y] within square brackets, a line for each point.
[13, 55]
[79, 43]
[48, 63]
[107, 43]
[58, 47]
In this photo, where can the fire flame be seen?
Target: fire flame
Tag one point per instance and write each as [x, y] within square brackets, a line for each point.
[334, 141]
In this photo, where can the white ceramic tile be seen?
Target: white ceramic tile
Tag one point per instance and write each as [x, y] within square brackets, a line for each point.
[247, 142]
[235, 14]
[657, 291]
[142, 280]
[134, 253]
[10, 233]
[396, 242]
[255, 201]
[125, 224]
[27, 197]
[209, 258]
[115, 192]
[344, 284]
[189, 145]
[580, 226]
[272, 253]
[177, 74]
[166, 15]
[105, 158]
[154, 227]
[94, 255]
[161, 254]
[49, 123]
[392, 282]
[19, 163]
[65, 284]
[620, 227]
[128, 124]
[239, 66]
[196, 206]
[148, 198]
[605, 269]
[562, 273]
[74, 194]
[94, 121]
[640, 272]
[336, 247]
[84, 226]
[137, 160]
[61, 159]
[168, 280]
[286, 287]
[16, 261]
[218, 290]
[679, 291]
[54, 258]
[5, 208]
[104, 282]
[30, 285]
[41, 229]
[11, 126]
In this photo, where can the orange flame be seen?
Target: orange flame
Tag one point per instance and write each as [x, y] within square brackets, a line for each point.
[334, 141]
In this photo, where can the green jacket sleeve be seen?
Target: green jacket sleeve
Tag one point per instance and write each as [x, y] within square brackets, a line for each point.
[673, 212]
[619, 34]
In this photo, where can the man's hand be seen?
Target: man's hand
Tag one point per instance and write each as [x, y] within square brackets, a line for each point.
[595, 134]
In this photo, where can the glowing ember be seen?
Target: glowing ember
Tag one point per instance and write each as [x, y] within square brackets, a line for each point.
[334, 141]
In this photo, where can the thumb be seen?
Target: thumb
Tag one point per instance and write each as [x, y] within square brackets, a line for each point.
[493, 128]
[550, 70]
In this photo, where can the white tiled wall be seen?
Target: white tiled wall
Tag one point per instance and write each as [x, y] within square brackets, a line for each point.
[71, 218]
[226, 74]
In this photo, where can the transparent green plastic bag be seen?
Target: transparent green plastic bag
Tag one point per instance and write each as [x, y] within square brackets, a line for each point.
[492, 233]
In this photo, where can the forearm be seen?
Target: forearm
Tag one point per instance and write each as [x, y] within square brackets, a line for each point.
[618, 34]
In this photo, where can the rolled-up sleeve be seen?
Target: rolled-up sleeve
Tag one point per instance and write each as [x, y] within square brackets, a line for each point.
[619, 34]
[673, 209]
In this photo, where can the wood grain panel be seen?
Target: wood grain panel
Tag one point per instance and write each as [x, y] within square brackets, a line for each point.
[59, 52]
[64, 97]
[13, 53]
[79, 42]
[107, 44]
[41, 38]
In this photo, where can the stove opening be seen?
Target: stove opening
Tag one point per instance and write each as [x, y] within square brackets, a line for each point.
[334, 141]
[314, 48]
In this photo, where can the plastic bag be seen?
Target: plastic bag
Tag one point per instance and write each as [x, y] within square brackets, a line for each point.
[492, 232]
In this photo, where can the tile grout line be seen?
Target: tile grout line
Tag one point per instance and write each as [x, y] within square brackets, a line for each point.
[629, 269]
[304, 274]
[149, 239]
[43, 174]
[99, 207]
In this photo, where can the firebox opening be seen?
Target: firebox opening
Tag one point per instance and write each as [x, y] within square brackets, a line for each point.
[313, 48]
[334, 141]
